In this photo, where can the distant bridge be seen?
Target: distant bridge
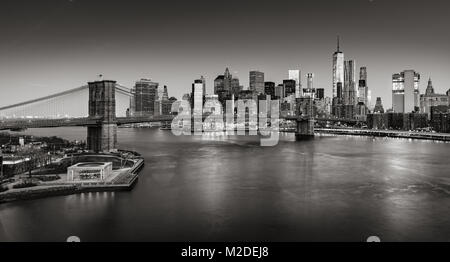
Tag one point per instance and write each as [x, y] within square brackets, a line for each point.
[50, 111]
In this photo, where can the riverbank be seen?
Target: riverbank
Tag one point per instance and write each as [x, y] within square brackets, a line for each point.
[386, 133]
[123, 182]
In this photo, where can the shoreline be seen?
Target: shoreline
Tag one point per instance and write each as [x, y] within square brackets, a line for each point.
[49, 190]
[386, 133]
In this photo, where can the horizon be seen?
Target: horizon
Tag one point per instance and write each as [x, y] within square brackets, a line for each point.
[58, 45]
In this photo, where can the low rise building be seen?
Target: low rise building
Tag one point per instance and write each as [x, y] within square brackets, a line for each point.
[89, 172]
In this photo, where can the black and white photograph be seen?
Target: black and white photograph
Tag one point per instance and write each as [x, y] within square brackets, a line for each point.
[207, 121]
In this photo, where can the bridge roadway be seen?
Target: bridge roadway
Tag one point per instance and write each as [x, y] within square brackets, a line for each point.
[12, 124]
[83, 121]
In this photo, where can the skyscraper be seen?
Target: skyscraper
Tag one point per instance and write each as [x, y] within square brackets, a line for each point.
[257, 82]
[431, 99]
[235, 86]
[198, 97]
[349, 83]
[279, 91]
[362, 94]
[227, 77]
[219, 84]
[165, 95]
[362, 86]
[204, 84]
[378, 106]
[320, 93]
[269, 89]
[405, 91]
[296, 75]
[289, 87]
[338, 68]
[145, 95]
[309, 91]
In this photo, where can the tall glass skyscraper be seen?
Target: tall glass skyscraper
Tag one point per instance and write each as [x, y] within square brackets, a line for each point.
[309, 91]
[145, 95]
[338, 69]
[257, 82]
[405, 91]
[295, 75]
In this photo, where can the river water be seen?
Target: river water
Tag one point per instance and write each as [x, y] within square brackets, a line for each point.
[212, 188]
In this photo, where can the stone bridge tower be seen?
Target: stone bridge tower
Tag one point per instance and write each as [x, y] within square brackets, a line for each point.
[102, 137]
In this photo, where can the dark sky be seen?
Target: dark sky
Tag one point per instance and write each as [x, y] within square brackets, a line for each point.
[51, 46]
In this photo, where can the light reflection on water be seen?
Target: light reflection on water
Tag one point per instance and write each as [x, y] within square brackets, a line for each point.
[216, 187]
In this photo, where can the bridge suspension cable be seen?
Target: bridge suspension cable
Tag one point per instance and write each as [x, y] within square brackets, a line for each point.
[69, 103]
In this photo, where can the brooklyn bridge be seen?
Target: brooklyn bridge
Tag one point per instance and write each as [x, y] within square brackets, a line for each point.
[101, 119]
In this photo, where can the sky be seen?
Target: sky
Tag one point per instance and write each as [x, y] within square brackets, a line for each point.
[51, 46]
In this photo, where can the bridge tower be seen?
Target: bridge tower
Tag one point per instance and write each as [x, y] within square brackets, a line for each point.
[102, 137]
[305, 124]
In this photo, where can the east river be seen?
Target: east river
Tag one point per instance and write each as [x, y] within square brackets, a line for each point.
[214, 188]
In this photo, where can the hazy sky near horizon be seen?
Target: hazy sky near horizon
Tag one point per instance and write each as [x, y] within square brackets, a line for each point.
[51, 46]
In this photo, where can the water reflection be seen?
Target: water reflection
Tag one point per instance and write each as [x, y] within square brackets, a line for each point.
[228, 188]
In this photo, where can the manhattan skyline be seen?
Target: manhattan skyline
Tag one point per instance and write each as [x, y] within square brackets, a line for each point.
[57, 45]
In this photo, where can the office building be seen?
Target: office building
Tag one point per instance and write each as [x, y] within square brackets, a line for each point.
[338, 69]
[349, 83]
[309, 91]
[219, 84]
[431, 99]
[145, 95]
[320, 93]
[405, 92]
[269, 89]
[227, 79]
[378, 106]
[257, 82]
[289, 87]
[197, 97]
[296, 76]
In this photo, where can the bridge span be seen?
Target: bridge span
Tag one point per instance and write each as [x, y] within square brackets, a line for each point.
[102, 121]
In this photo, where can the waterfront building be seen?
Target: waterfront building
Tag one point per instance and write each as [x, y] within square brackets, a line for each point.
[296, 76]
[89, 172]
[431, 99]
[397, 121]
[405, 92]
[257, 82]
[145, 95]
[440, 119]
[338, 69]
